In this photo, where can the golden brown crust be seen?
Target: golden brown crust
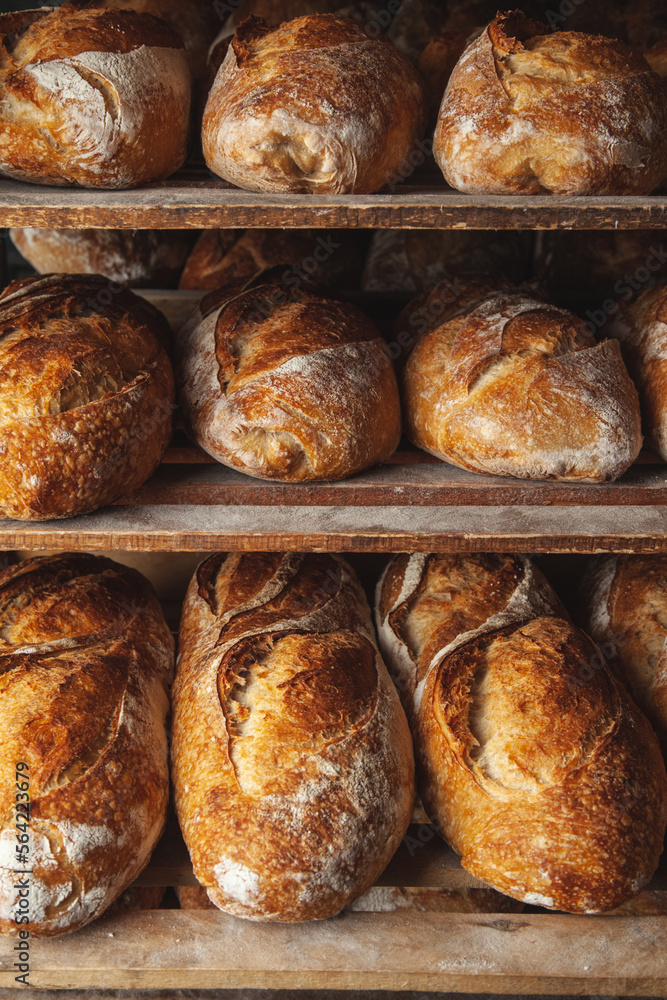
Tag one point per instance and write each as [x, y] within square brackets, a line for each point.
[527, 111]
[532, 760]
[85, 659]
[94, 97]
[282, 704]
[624, 607]
[221, 256]
[151, 258]
[519, 388]
[283, 385]
[86, 395]
[313, 105]
[644, 340]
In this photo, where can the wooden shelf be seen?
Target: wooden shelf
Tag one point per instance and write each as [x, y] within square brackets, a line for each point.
[196, 200]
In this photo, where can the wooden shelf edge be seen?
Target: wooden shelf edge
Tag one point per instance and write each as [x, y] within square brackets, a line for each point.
[505, 953]
[189, 528]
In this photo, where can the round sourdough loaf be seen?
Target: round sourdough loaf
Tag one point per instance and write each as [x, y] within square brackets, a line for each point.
[314, 105]
[514, 387]
[642, 330]
[623, 601]
[280, 384]
[86, 395]
[85, 660]
[527, 111]
[150, 258]
[291, 755]
[532, 760]
[94, 97]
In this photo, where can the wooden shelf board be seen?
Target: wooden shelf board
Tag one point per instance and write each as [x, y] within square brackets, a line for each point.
[189, 476]
[205, 203]
[524, 953]
[196, 528]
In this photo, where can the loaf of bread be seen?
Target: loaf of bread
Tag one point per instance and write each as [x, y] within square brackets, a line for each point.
[593, 272]
[195, 21]
[527, 111]
[314, 105]
[332, 259]
[515, 387]
[532, 760]
[642, 330]
[280, 384]
[86, 395]
[140, 258]
[99, 98]
[291, 756]
[623, 600]
[415, 260]
[86, 657]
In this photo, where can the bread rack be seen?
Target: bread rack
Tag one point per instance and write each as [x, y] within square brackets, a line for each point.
[411, 503]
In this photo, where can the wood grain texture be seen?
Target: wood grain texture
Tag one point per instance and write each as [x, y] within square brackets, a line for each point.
[191, 528]
[181, 203]
[203, 949]
[190, 476]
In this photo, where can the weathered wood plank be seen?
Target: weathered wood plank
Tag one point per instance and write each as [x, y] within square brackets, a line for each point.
[427, 951]
[350, 529]
[208, 203]
[413, 479]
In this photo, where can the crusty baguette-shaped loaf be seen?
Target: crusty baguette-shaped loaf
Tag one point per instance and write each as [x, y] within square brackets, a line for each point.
[99, 98]
[85, 660]
[86, 395]
[314, 105]
[624, 608]
[222, 256]
[515, 387]
[291, 758]
[142, 258]
[527, 111]
[643, 334]
[533, 761]
[280, 384]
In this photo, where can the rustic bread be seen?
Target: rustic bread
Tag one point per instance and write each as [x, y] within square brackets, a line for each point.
[86, 658]
[415, 260]
[333, 259]
[281, 384]
[195, 21]
[141, 258]
[314, 105]
[86, 395]
[623, 602]
[527, 111]
[94, 97]
[515, 387]
[532, 759]
[291, 757]
[642, 330]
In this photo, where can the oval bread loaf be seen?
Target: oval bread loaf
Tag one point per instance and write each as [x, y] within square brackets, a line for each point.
[528, 111]
[85, 660]
[280, 384]
[314, 105]
[623, 599]
[514, 387]
[533, 761]
[642, 331]
[99, 98]
[86, 395]
[291, 757]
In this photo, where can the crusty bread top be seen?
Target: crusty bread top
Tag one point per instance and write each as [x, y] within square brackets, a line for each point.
[61, 32]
